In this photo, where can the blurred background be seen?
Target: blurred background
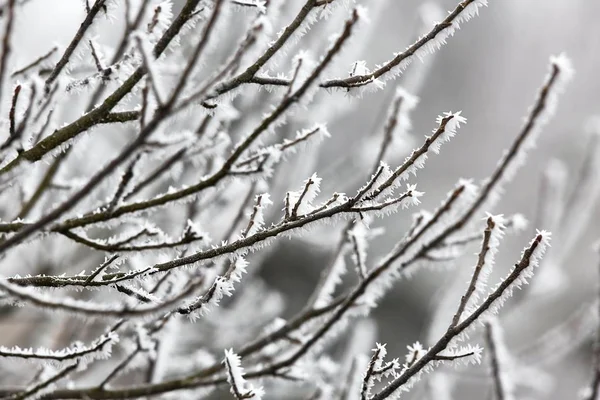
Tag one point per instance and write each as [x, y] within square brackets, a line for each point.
[491, 70]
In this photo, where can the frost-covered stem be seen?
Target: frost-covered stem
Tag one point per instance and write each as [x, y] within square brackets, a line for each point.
[290, 326]
[452, 358]
[85, 25]
[343, 306]
[6, 45]
[481, 258]
[454, 331]
[64, 355]
[538, 110]
[122, 46]
[229, 248]
[376, 172]
[375, 358]
[410, 161]
[95, 309]
[332, 200]
[40, 386]
[234, 389]
[84, 191]
[94, 117]
[516, 273]
[274, 368]
[323, 3]
[119, 117]
[109, 118]
[251, 71]
[101, 268]
[202, 301]
[222, 285]
[235, 377]
[223, 171]
[348, 301]
[411, 240]
[128, 291]
[372, 181]
[137, 235]
[358, 80]
[158, 117]
[193, 380]
[381, 206]
[254, 217]
[244, 3]
[498, 369]
[236, 153]
[155, 18]
[240, 214]
[268, 80]
[287, 144]
[307, 186]
[288, 101]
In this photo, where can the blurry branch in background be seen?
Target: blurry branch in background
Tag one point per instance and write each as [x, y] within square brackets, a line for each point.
[566, 211]
[593, 391]
[6, 41]
[501, 369]
[173, 221]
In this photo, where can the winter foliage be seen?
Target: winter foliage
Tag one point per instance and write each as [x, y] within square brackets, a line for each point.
[143, 180]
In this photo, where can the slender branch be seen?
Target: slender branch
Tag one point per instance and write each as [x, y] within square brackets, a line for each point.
[454, 331]
[119, 247]
[485, 247]
[6, 45]
[38, 61]
[85, 25]
[450, 22]
[40, 386]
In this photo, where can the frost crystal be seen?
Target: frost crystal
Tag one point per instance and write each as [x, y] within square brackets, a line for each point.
[240, 388]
